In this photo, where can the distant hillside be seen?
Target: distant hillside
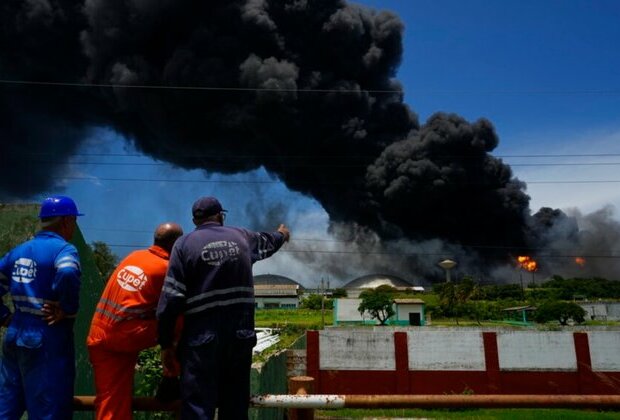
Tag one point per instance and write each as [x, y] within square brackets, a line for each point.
[18, 222]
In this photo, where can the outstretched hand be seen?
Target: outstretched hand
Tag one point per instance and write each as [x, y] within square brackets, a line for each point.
[284, 231]
[52, 313]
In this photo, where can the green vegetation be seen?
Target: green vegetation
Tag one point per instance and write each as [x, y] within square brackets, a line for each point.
[561, 312]
[307, 319]
[313, 301]
[594, 288]
[105, 260]
[378, 303]
[483, 304]
[148, 376]
[19, 223]
[339, 293]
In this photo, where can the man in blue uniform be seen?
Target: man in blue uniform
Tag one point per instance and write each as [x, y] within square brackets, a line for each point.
[42, 276]
[210, 282]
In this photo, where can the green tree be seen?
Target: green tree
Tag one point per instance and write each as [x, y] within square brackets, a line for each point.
[448, 300]
[339, 293]
[590, 288]
[560, 311]
[454, 298]
[17, 230]
[378, 303]
[105, 260]
[504, 291]
[465, 291]
[313, 301]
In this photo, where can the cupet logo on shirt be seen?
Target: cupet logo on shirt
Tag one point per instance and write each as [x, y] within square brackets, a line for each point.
[24, 270]
[132, 278]
[217, 253]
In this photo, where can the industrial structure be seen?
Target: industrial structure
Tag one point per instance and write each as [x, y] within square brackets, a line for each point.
[372, 281]
[272, 291]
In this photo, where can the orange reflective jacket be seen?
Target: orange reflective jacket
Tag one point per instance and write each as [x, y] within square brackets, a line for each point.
[133, 289]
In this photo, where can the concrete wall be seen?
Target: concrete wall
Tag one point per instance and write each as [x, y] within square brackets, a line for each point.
[531, 351]
[604, 350]
[613, 311]
[435, 361]
[345, 310]
[601, 311]
[366, 350]
[453, 350]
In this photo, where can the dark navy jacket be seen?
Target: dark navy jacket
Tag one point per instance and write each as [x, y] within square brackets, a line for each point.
[210, 281]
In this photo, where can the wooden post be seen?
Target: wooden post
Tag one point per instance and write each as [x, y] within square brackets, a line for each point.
[301, 385]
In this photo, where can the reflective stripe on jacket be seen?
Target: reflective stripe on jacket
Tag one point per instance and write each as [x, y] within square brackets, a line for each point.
[43, 270]
[210, 274]
[133, 289]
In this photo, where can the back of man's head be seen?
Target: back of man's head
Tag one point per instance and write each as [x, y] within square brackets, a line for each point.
[166, 235]
[207, 209]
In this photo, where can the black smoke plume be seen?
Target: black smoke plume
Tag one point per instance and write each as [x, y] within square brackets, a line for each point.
[303, 88]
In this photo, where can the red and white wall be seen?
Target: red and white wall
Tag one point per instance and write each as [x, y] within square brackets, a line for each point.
[433, 361]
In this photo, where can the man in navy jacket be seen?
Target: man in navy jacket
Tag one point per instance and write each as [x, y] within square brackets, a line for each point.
[210, 282]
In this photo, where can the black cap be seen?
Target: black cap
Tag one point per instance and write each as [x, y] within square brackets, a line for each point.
[205, 207]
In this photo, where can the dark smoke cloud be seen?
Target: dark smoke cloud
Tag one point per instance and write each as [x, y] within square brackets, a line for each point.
[594, 237]
[39, 127]
[282, 49]
[303, 88]
[442, 181]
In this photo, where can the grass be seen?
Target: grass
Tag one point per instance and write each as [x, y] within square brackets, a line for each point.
[478, 414]
[292, 324]
[305, 318]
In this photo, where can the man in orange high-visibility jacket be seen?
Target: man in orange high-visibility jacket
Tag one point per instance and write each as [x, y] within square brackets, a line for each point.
[124, 323]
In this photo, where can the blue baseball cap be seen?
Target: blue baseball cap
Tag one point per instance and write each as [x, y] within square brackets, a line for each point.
[205, 207]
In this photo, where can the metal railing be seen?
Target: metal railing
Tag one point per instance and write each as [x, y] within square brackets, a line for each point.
[301, 402]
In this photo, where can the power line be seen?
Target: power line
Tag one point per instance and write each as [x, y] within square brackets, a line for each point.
[152, 231]
[193, 88]
[318, 165]
[605, 181]
[515, 248]
[295, 238]
[212, 181]
[191, 181]
[249, 89]
[322, 156]
[397, 254]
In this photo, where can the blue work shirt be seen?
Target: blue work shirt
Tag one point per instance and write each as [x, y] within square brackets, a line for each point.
[45, 269]
[209, 280]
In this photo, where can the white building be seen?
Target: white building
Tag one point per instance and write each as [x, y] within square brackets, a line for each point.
[276, 292]
[406, 312]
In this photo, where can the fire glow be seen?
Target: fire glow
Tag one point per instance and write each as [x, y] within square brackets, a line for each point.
[527, 263]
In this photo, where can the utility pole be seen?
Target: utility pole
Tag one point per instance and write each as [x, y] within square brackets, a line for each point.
[322, 303]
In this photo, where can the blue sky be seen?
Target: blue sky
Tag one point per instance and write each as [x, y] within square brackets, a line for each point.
[546, 73]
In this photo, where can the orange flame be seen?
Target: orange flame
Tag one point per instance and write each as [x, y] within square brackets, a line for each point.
[580, 261]
[527, 263]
